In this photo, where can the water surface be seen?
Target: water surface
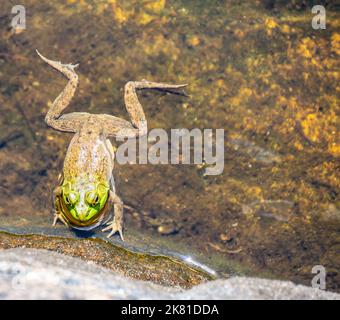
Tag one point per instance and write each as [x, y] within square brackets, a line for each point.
[256, 69]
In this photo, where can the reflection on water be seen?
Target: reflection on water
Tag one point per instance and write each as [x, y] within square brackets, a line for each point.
[256, 69]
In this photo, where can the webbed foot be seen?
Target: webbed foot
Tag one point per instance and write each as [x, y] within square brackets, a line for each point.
[114, 227]
[58, 216]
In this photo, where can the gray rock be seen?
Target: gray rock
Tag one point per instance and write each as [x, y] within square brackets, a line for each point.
[256, 289]
[42, 274]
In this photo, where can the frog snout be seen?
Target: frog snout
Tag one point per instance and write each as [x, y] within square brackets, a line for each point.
[83, 215]
[82, 212]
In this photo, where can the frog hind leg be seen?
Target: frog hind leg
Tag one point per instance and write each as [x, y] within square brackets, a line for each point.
[54, 117]
[132, 103]
[116, 225]
[138, 126]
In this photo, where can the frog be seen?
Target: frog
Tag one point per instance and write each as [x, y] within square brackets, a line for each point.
[85, 196]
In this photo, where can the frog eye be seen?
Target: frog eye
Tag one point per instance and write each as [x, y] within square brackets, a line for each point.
[92, 198]
[67, 200]
[70, 198]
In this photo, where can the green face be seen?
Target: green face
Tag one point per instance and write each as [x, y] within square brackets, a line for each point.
[84, 201]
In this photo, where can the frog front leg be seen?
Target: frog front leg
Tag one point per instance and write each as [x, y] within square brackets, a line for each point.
[57, 193]
[117, 223]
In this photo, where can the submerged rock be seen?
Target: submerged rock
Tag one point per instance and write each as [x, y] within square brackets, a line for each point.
[41, 274]
[140, 265]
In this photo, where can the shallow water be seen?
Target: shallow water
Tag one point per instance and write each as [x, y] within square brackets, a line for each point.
[258, 71]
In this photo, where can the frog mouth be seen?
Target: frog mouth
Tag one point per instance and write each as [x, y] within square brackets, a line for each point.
[89, 224]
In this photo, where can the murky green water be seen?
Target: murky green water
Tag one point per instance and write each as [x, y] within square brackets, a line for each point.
[258, 71]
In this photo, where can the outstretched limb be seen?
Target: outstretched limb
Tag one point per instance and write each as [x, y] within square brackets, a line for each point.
[54, 117]
[138, 127]
[132, 103]
[117, 223]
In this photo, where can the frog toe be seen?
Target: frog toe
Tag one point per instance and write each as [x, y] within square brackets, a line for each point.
[114, 228]
[58, 216]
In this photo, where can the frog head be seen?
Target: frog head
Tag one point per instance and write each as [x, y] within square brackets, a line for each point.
[84, 201]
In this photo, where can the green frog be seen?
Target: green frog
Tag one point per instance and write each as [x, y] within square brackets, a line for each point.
[86, 193]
